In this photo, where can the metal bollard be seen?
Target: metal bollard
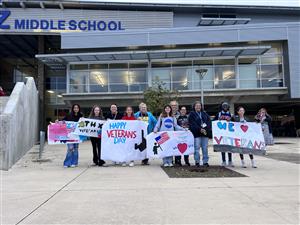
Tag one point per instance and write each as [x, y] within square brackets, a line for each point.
[42, 143]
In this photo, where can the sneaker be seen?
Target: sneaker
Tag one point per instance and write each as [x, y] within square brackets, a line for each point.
[197, 164]
[131, 164]
[65, 166]
[206, 164]
[124, 164]
[243, 164]
[223, 164]
[230, 164]
[178, 164]
[170, 165]
[145, 163]
[253, 164]
[187, 164]
[166, 165]
[73, 166]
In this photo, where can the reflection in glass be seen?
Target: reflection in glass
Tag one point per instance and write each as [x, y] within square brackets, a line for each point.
[98, 81]
[225, 77]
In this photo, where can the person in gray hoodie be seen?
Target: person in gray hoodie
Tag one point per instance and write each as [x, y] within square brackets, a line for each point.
[167, 122]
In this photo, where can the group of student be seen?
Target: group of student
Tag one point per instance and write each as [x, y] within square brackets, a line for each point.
[171, 119]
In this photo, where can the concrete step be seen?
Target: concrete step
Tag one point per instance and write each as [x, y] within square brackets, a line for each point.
[3, 101]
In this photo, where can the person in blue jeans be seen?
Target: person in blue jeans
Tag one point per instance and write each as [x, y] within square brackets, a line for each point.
[200, 126]
[167, 122]
[71, 159]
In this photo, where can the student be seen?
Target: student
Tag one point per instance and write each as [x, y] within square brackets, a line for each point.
[242, 119]
[71, 159]
[224, 114]
[174, 104]
[182, 121]
[96, 113]
[147, 117]
[113, 114]
[200, 126]
[167, 122]
[265, 119]
[129, 115]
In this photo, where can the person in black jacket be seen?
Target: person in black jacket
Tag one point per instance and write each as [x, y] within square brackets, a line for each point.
[200, 126]
[113, 114]
[224, 114]
[71, 159]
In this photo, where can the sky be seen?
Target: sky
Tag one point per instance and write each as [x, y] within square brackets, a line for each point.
[283, 3]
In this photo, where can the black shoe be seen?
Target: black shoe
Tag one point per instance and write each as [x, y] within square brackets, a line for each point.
[178, 164]
[206, 164]
[145, 162]
[187, 164]
[197, 164]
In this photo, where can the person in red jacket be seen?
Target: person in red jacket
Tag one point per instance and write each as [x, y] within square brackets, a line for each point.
[2, 93]
[128, 115]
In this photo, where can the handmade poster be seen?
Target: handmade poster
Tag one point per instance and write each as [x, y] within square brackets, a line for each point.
[62, 133]
[124, 140]
[89, 127]
[235, 137]
[170, 143]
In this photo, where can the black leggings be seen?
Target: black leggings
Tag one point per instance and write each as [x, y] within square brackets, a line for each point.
[224, 157]
[178, 159]
[242, 156]
[96, 143]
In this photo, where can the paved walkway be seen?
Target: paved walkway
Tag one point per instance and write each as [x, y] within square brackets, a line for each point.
[46, 193]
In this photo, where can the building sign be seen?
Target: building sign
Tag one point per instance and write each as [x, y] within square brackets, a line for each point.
[56, 20]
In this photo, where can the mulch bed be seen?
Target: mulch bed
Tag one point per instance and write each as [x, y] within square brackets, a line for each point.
[204, 172]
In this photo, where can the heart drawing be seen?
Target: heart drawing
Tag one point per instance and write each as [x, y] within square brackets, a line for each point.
[182, 147]
[244, 128]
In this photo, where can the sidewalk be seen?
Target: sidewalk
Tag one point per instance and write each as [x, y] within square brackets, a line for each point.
[47, 193]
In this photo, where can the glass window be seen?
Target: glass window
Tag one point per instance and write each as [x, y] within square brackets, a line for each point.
[163, 75]
[181, 78]
[118, 80]
[137, 80]
[271, 76]
[78, 81]
[78, 67]
[181, 63]
[138, 65]
[203, 62]
[271, 60]
[160, 64]
[248, 76]
[99, 81]
[224, 61]
[118, 66]
[208, 80]
[276, 47]
[225, 77]
[98, 66]
[248, 60]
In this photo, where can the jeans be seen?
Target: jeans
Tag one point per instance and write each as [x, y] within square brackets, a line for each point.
[203, 143]
[168, 160]
[72, 155]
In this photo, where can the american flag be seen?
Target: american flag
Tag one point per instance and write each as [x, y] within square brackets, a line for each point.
[162, 138]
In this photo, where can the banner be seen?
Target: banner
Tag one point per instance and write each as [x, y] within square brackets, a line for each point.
[89, 127]
[244, 138]
[170, 143]
[62, 133]
[124, 140]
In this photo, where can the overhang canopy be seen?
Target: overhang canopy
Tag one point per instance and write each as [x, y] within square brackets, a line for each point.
[55, 61]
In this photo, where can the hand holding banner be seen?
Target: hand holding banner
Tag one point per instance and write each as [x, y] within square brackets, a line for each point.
[89, 127]
[123, 140]
[170, 143]
[235, 137]
[62, 133]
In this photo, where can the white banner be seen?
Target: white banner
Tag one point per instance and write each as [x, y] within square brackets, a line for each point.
[170, 143]
[245, 138]
[89, 127]
[124, 140]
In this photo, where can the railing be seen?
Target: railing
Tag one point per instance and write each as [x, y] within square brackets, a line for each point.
[180, 85]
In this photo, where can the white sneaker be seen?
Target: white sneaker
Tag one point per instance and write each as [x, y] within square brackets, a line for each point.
[124, 164]
[243, 164]
[115, 163]
[253, 164]
[73, 166]
[131, 164]
[166, 165]
[170, 164]
[230, 164]
[65, 166]
[223, 164]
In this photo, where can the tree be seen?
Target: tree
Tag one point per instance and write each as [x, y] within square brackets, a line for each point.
[157, 96]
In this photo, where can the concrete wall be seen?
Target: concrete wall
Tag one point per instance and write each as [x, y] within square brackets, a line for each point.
[18, 123]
